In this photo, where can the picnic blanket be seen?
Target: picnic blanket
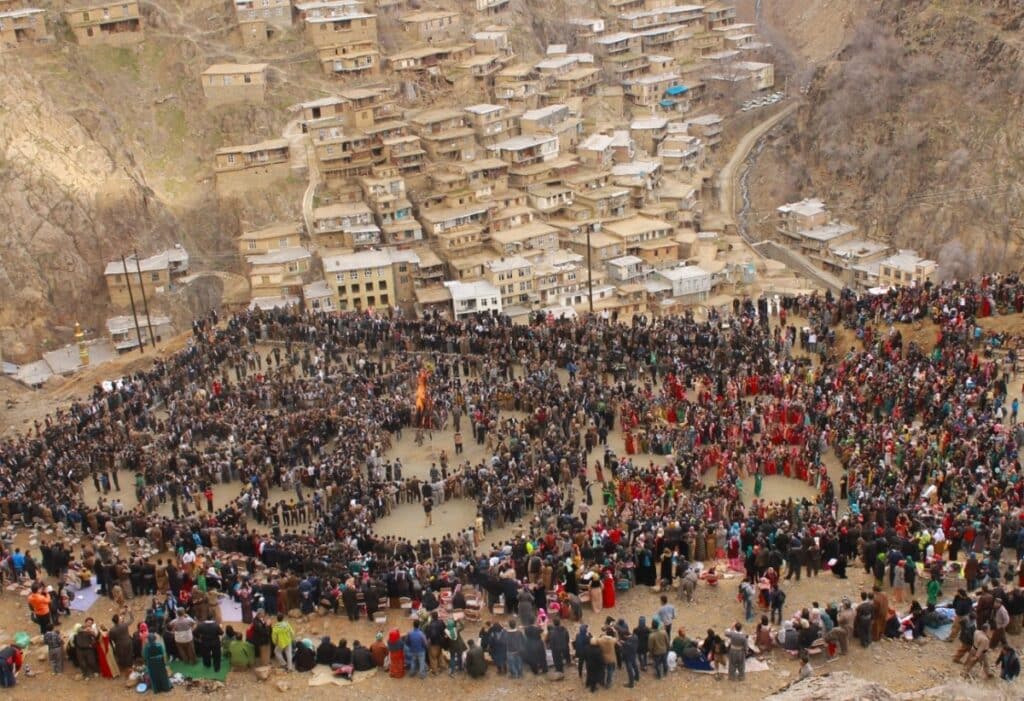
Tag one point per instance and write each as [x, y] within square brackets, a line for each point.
[324, 675]
[198, 671]
[230, 610]
[753, 665]
[85, 598]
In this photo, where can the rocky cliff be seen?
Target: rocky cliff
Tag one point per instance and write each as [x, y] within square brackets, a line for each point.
[912, 125]
[104, 150]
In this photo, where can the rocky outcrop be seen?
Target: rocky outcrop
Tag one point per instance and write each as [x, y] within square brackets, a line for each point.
[912, 130]
[843, 686]
[70, 199]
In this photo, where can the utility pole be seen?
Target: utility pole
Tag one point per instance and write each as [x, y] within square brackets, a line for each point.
[145, 304]
[131, 298]
[590, 275]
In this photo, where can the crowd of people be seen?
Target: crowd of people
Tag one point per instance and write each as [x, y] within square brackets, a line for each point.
[311, 403]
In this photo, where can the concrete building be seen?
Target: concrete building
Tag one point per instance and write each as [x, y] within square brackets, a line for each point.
[158, 272]
[278, 273]
[345, 225]
[275, 13]
[478, 297]
[240, 169]
[21, 27]
[432, 26]
[318, 297]
[906, 268]
[125, 335]
[114, 24]
[225, 83]
[270, 238]
[513, 277]
[372, 279]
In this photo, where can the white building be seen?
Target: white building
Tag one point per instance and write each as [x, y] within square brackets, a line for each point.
[478, 297]
[690, 283]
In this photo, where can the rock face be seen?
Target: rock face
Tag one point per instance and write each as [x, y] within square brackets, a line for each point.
[843, 686]
[69, 197]
[912, 125]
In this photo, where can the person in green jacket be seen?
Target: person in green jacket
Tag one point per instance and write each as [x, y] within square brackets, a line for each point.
[934, 589]
[281, 636]
[241, 653]
[456, 646]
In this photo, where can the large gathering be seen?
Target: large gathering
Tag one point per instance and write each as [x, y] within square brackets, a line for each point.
[234, 496]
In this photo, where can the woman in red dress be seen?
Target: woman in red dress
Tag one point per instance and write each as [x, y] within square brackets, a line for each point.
[608, 591]
[396, 655]
[105, 656]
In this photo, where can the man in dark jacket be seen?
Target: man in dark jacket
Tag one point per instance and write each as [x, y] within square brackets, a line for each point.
[207, 639]
[629, 648]
[349, 599]
[435, 637]
[476, 665]
[362, 660]
[558, 641]
[326, 652]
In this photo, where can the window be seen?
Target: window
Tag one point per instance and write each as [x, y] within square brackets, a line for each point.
[265, 279]
[106, 13]
[402, 267]
[85, 18]
[369, 286]
[155, 277]
[252, 245]
[355, 287]
[227, 80]
[341, 291]
[371, 300]
[231, 158]
[383, 285]
[248, 78]
[383, 299]
[354, 275]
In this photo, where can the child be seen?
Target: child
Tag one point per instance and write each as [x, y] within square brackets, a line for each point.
[55, 647]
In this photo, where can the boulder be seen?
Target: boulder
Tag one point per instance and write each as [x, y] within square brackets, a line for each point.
[262, 673]
[282, 685]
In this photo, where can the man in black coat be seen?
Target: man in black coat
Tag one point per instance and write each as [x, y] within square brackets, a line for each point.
[207, 639]
[476, 664]
[558, 641]
[326, 652]
[362, 660]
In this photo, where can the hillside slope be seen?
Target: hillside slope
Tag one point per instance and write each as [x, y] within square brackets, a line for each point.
[103, 150]
[912, 128]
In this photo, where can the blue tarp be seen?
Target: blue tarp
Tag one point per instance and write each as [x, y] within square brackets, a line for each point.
[668, 104]
[677, 90]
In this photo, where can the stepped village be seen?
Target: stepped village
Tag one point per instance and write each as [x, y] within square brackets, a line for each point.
[448, 173]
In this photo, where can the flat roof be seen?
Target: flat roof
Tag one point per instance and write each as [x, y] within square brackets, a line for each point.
[232, 68]
[272, 231]
[907, 261]
[614, 38]
[426, 15]
[686, 272]
[339, 18]
[636, 224]
[360, 260]
[252, 148]
[520, 142]
[523, 232]
[828, 231]
[341, 209]
[281, 255]
[806, 207]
